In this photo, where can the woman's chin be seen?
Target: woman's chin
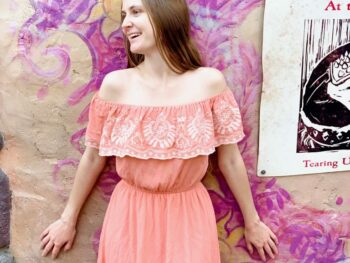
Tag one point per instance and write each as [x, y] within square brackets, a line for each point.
[142, 50]
[136, 50]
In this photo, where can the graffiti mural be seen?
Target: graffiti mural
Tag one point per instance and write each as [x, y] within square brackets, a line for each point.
[305, 233]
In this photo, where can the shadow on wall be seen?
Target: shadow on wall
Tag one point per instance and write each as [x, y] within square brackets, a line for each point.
[5, 208]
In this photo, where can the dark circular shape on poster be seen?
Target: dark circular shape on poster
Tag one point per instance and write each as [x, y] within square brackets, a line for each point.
[263, 172]
[319, 105]
[325, 113]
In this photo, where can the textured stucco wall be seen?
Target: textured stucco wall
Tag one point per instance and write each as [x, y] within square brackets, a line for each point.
[54, 54]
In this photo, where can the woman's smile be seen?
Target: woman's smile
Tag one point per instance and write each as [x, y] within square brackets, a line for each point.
[134, 36]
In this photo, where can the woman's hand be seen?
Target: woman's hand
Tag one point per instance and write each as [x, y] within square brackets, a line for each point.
[262, 238]
[59, 235]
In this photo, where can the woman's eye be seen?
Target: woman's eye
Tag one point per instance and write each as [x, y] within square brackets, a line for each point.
[135, 12]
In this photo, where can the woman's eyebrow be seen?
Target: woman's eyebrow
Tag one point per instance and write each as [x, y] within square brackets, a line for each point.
[131, 7]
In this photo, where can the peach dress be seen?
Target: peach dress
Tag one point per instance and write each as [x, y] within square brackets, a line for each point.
[160, 212]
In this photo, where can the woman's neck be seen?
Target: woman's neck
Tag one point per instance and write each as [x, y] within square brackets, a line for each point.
[155, 68]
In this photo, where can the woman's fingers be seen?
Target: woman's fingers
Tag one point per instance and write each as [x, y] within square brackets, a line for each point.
[57, 237]
[44, 241]
[44, 233]
[47, 248]
[273, 246]
[263, 239]
[274, 237]
[250, 248]
[68, 246]
[261, 253]
[268, 250]
[56, 249]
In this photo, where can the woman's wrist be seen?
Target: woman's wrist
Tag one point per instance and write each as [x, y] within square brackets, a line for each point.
[68, 221]
[251, 222]
[68, 217]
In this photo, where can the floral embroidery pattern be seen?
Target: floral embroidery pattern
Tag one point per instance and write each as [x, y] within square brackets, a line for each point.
[159, 133]
[182, 141]
[200, 129]
[122, 130]
[228, 119]
[183, 131]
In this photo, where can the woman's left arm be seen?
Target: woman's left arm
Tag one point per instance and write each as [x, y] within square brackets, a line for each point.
[256, 233]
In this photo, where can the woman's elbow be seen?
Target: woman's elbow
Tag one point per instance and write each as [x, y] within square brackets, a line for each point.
[92, 156]
[226, 165]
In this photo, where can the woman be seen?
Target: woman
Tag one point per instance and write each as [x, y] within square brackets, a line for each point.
[161, 118]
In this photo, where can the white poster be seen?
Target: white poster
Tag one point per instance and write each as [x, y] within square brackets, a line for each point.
[305, 103]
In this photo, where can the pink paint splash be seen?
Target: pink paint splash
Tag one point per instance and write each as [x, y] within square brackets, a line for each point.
[56, 175]
[96, 240]
[42, 92]
[339, 200]
[108, 179]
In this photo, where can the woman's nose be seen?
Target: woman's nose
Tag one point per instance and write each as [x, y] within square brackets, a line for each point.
[126, 22]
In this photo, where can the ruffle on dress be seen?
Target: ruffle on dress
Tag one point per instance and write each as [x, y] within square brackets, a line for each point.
[163, 132]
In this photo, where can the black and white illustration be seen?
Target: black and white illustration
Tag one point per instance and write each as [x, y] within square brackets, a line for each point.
[304, 124]
[324, 116]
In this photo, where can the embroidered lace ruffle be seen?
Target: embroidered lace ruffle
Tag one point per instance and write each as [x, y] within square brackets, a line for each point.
[163, 132]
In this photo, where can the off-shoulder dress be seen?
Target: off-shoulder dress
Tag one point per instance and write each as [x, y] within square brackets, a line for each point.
[160, 212]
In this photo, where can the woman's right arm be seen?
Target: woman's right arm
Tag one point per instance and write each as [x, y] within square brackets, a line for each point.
[60, 234]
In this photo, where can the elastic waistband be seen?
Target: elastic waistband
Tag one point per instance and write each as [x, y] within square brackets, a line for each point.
[134, 187]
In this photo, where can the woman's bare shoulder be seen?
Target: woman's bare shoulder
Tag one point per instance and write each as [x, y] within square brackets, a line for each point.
[212, 79]
[114, 83]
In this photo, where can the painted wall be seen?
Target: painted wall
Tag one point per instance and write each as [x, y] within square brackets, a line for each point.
[54, 54]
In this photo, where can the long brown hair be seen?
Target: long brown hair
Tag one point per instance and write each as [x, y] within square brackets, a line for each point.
[170, 20]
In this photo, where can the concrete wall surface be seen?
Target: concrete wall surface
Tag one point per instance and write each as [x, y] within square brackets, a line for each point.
[54, 55]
